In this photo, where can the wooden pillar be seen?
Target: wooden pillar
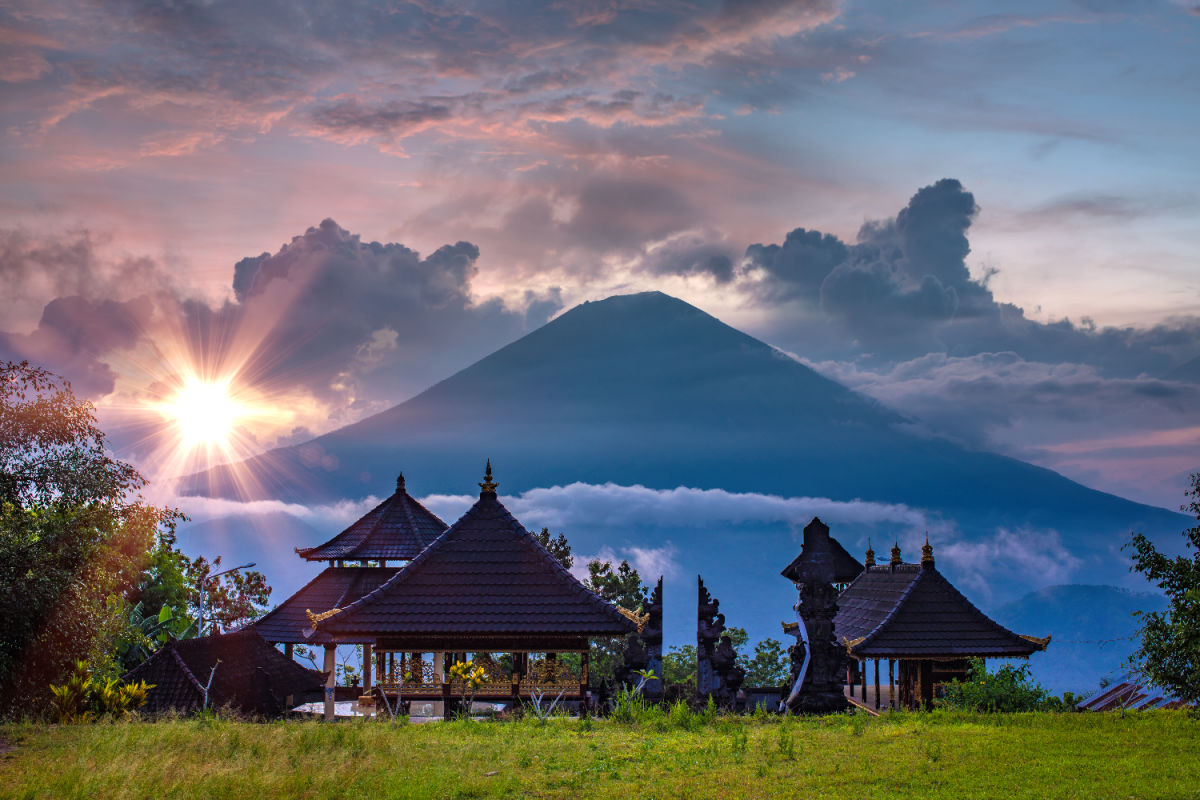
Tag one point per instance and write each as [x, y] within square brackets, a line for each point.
[287, 649]
[877, 684]
[366, 655]
[862, 680]
[583, 673]
[892, 684]
[926, 674]
[330, 667]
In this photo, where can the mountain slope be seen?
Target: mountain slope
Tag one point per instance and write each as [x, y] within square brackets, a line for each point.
[648, 389]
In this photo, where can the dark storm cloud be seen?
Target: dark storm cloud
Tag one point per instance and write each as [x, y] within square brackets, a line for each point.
[356, 324]
[75, 336]
[798, 267]
[691, 255]
[356, 321]
[904, 289]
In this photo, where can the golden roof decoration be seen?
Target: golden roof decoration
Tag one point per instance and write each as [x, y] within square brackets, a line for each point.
[488, 484]
[313, 619]
[638, 619]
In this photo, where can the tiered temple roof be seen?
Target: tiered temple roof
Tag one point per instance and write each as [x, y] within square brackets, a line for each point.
[485, 579]
[335, 587]
[911, 611]
[399, 528]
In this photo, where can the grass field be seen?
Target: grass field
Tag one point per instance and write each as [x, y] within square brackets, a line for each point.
[1141, 755]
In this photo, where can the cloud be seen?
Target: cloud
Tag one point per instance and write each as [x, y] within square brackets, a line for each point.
[650, 562]
[1064, 416]
[613, 506]
[328, 320]
[904, 288]
[74, 337]
[1007, 557]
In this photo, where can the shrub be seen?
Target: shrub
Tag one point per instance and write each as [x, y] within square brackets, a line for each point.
[1009, 688]
[83, 698]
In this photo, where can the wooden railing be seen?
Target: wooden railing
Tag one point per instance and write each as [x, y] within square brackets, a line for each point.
[416, 679]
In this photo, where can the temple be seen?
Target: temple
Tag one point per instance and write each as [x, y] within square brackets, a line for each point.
[907, 614]
[395, 531]
[485, 585]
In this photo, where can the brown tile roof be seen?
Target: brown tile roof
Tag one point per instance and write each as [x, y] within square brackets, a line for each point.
[912, 611]
[252, 676]
[486, 575]
[398, 528]
[335, 587]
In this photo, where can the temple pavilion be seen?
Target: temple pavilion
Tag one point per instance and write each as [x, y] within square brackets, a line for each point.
[360, 559]
[909, 615]
[483, 586]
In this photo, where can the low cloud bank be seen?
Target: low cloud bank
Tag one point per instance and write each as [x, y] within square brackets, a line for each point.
[612, 505]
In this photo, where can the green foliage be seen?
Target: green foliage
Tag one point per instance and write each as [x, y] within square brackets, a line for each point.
[84, 698]
[768, 666]
[1009, 688]
[74, 532]
[231, 600]
[142, 635]
[1169, 652]
[621, 586]
[628, 706]
[557, 547]
[737, 637]
[679, 667]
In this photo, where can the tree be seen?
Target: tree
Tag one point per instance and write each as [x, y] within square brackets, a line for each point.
[229, 601]
[557, 547]
[74, 533]
[621, 586]
[768, 667]
[1169, 653]
[679, 668]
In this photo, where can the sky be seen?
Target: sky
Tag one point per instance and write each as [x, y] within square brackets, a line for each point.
[982, 214]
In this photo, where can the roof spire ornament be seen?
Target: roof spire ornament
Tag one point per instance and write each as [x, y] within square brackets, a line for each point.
[488, 486]
[869, 561]
[400, 484]
[895, 555]
[927, 552]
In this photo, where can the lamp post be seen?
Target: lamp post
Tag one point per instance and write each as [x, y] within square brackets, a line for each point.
[200, 627]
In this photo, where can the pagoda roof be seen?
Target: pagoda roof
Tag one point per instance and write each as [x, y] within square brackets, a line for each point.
[485, 577]
[250, 675]
[819, 545]
[335, 587]
[913, 611]
[398, 528]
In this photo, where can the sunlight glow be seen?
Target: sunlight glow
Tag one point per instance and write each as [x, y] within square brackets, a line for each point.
[204, 413]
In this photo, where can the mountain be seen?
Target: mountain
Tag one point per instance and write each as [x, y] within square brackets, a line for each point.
[648, 389]
[1093, 628]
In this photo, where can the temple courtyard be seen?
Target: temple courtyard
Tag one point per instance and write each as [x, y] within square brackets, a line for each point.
[662, 755]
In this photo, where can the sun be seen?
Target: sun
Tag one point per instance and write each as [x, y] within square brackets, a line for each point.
[204, 413]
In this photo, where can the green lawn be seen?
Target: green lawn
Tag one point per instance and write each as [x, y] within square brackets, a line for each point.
[1139, 755]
